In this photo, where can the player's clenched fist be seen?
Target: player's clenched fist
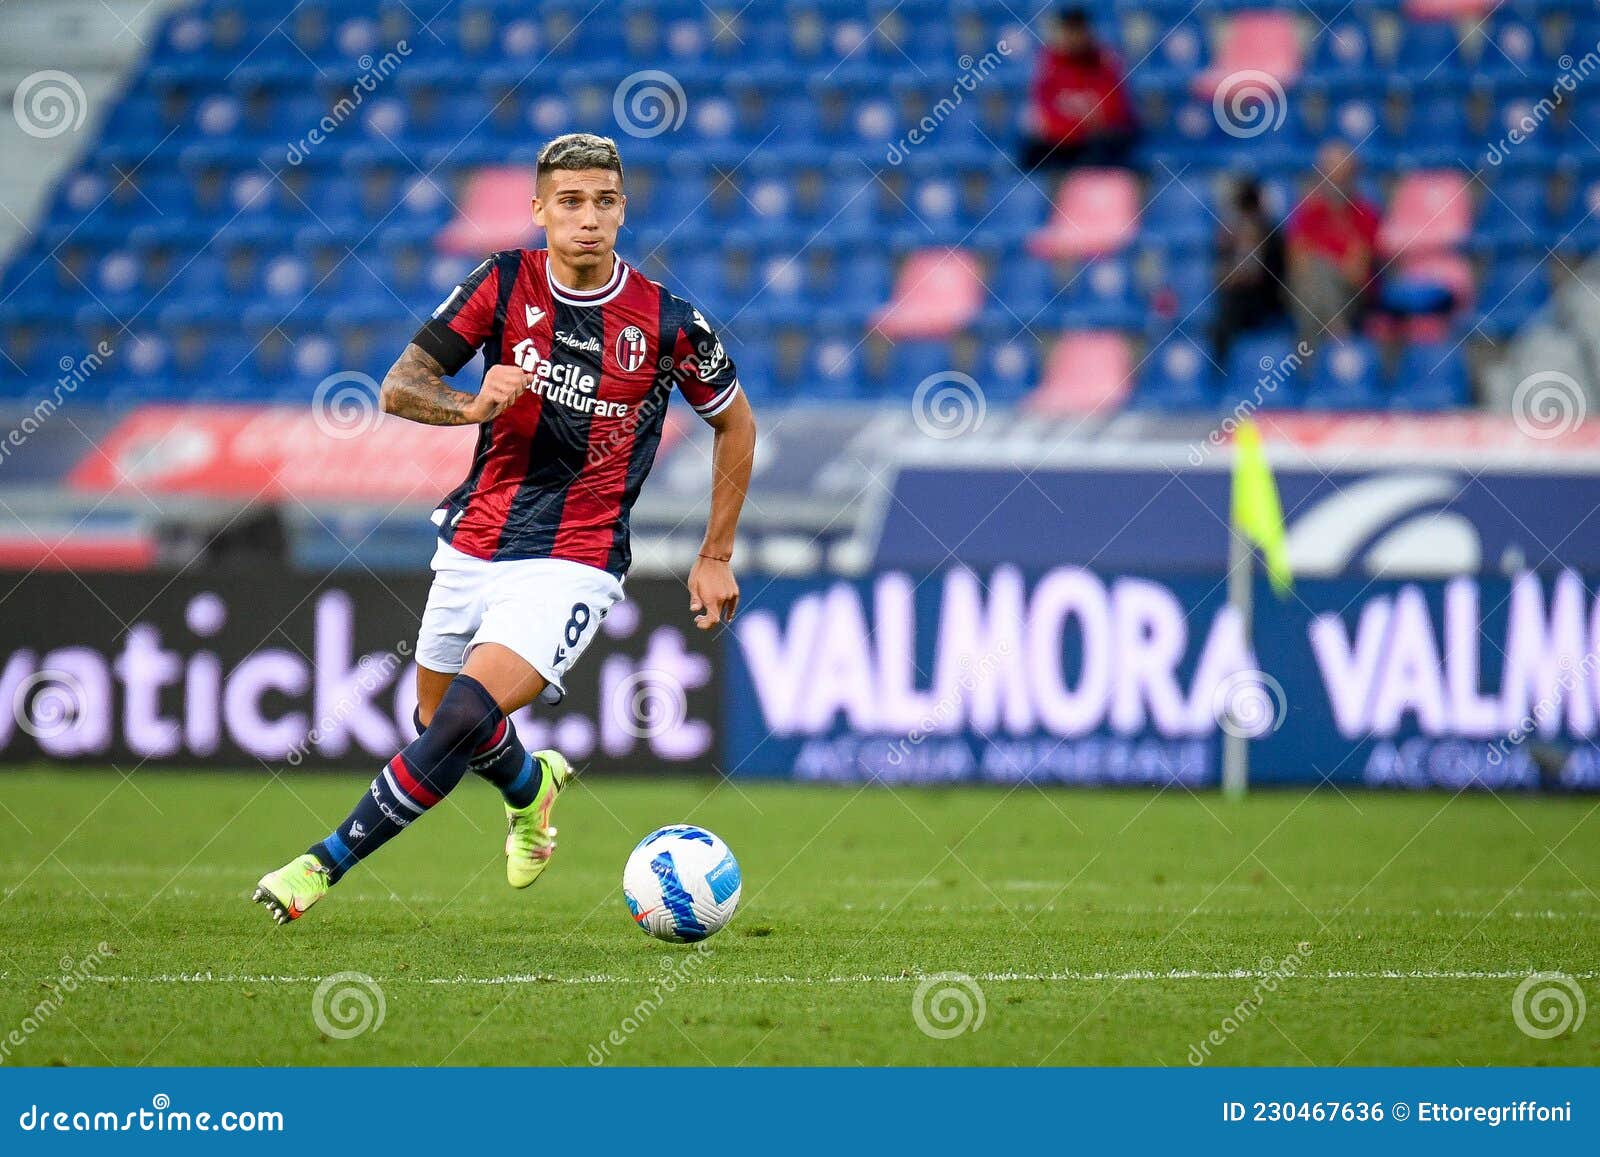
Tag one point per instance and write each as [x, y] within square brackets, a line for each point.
[501, 388]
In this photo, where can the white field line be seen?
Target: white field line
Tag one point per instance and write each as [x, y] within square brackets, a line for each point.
[1070, 977]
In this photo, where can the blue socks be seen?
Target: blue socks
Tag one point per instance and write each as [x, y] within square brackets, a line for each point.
[468, 722]
[504, 762]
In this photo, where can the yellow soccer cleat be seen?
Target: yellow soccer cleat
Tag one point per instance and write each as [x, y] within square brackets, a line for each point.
[530, 840]
[293, 888]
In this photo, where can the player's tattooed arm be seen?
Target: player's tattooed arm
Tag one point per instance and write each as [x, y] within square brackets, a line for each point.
[414, 388]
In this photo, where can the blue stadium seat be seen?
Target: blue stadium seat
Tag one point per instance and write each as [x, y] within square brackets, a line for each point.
[1263, 372]
[1178, 374]
[204, 206]
[1346, 375]
[1342, 52]
[1431, 376]
[1512, 48]
[1429, 55]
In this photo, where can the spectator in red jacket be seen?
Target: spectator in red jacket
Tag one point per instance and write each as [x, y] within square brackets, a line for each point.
[1333, 236]
[1078, 110]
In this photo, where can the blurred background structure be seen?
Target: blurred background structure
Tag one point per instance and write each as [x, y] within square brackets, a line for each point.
[1001, 278]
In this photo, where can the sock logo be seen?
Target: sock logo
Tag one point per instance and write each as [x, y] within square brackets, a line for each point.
[357, 832]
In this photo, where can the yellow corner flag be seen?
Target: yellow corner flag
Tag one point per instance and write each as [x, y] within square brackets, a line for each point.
[1257, 514]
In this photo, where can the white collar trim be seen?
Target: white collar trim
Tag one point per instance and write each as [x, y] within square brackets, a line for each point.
[619, 278]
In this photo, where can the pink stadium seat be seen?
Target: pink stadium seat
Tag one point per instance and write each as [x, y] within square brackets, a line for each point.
[1096, 212]
[938, 291]
[1448, 9]
[1254, 42]
[495, 214]
[1428, 213]
[1086, 371]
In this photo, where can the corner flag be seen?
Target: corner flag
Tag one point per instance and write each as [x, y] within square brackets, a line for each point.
[1257, 516]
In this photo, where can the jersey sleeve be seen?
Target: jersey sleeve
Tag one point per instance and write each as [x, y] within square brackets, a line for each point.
[463, 320]
[706, 374]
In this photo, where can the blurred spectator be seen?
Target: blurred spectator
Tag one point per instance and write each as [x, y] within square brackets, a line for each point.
[1078, 112]
[1251, 272]
[1332, 236]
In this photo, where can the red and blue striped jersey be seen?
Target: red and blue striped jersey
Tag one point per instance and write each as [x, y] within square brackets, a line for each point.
[556, 475]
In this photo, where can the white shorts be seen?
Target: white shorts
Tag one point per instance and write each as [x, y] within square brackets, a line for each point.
[546, 610]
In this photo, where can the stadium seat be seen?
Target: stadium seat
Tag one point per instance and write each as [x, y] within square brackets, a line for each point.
[937, 292]
[1253, 45]
[1263, 372]
[1446, 10]
[775, 200]
[494, 213]
[1096, 212]
[1431, 376]
[1346, 375]
[1176, 375]
[1085, 372]
[1342, 52]
[1428, 212]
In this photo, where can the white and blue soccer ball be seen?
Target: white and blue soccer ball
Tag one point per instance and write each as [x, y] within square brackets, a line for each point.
[681, 883]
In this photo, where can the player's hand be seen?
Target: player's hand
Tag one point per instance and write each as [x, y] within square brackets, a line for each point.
[501, 388]
[713, 593]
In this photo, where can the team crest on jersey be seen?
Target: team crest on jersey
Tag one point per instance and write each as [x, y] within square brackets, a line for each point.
[630, 349]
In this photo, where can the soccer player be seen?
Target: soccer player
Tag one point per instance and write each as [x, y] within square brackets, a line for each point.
[583, 353]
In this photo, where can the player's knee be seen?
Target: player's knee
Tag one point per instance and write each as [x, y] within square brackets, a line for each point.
[466, 718]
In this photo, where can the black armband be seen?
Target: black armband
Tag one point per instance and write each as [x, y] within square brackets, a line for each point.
[444, 345]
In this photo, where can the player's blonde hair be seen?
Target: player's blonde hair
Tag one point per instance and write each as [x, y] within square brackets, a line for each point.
[576, 151]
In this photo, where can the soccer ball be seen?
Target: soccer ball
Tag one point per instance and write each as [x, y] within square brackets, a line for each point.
[681, 883]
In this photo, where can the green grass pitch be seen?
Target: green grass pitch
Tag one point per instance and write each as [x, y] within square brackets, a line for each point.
[1097, 928]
